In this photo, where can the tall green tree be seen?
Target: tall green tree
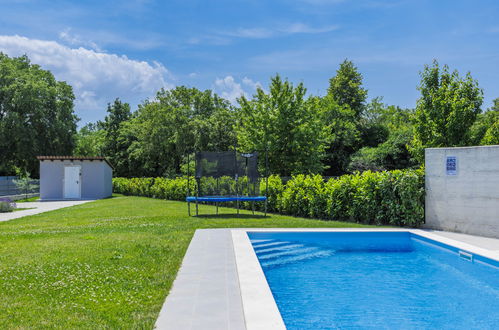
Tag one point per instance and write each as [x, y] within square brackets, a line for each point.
[177, 122]
[388, 147]
[345, 135]
[90, 140]
[484, 130]
[446, 110]
[491, 137]
[36, 115]
[495, 106]
[291, 128]
[345, 104]
[346, 87]
[112, 147]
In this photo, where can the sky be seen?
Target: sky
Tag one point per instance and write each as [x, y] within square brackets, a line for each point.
[131, 49]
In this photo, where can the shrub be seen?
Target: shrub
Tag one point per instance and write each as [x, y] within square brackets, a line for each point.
[381, 198]
[304, 196]
[7, 205]
[274, 193]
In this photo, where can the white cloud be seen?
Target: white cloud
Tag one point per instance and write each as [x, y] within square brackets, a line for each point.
[97, 78]
[252, 84]
[263, 33]
[231, 90]
[76, 40]
[209, 40]
[303, 28]
[253, 33]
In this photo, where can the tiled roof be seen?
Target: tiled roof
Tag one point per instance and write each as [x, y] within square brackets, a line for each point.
[91, 158]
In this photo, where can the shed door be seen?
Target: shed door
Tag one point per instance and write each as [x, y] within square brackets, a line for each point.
[72, 182]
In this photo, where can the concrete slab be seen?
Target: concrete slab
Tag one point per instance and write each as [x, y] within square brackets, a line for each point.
[482, 242]
[205, 294]
[38, 207]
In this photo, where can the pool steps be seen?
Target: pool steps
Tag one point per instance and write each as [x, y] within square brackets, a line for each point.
[273, 253]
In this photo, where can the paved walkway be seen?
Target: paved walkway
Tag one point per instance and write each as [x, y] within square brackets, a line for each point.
[206, 293]
[482, 242]
[38, 207]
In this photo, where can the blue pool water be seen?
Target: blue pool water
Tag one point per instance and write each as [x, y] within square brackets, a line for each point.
[390, 280]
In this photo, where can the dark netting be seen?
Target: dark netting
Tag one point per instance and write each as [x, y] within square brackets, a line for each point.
[247, 165]
[228, 163]
[215, 164]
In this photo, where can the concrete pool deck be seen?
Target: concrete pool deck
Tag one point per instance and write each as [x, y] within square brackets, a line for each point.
[209, 291]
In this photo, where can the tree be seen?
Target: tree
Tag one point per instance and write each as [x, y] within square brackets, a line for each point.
[447, 108]
[177, 122]
[491, 137]
[344, 105]
[116, 152]
[484, 130]
[289, 127]
[90, 140]
[36, 115]
[346, 88]
[495, 106]
[391, 151]
[345, 135]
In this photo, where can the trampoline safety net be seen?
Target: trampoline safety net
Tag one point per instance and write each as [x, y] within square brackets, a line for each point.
[228, 163]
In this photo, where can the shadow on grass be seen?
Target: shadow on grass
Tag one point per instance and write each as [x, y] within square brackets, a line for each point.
[232, 215]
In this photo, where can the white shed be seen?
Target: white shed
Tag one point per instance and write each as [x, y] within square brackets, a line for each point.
[71, 177]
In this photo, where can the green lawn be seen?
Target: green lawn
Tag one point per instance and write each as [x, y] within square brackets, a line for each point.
[31, 199]
[104, 264]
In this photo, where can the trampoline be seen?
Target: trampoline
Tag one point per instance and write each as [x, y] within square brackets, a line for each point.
[221, 199]
[224, 177]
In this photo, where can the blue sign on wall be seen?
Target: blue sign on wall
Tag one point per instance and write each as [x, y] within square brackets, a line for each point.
[451, 165]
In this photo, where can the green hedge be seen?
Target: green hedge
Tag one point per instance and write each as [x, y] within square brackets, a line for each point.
[381, 198]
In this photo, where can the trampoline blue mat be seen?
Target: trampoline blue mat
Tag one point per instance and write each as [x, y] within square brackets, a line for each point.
[216, 199]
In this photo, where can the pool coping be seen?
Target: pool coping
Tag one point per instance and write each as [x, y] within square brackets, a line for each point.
[259, 306]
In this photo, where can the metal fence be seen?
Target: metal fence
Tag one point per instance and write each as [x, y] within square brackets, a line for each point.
[16, 187]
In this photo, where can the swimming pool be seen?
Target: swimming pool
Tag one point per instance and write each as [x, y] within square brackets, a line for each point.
[323, 280]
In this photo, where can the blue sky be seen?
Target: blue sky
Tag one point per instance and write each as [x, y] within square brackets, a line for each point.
[130, 49]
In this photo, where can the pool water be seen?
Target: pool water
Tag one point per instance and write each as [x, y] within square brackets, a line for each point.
[381, 280]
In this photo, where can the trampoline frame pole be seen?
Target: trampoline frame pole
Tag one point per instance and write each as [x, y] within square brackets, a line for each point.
[188, 185]
[266, 178]
[237, 178]
[237, 195]
[197, 194]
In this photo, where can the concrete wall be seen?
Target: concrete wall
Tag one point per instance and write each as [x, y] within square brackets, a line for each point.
[466, 201]
[96, 179]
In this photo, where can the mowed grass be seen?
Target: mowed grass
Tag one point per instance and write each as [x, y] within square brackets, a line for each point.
[104, 264]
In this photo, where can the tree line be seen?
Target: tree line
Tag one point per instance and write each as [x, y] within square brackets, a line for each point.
[340, 132]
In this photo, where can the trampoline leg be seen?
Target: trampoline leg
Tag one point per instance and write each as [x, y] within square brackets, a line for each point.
[253, 207]
[265, 207]
[217, 207]
[237, 207]
[197, 212]
[189, 208]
